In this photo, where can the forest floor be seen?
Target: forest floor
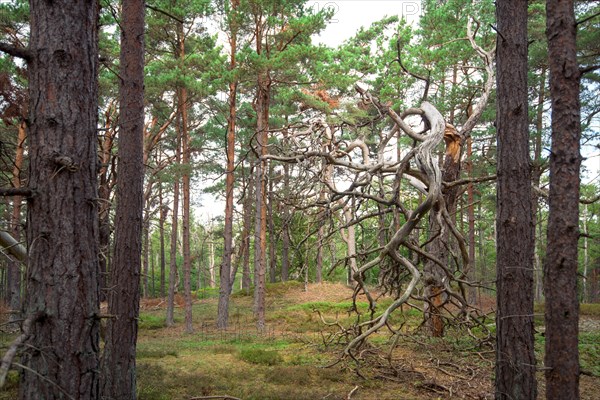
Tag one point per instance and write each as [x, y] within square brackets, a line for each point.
[291, 359]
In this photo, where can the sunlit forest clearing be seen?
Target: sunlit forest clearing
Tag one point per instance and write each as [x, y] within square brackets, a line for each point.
[295, 358]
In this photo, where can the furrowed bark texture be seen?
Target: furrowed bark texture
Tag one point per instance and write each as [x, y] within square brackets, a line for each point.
[515, 359]
[61, 354]
[118, 361]
[560, 267]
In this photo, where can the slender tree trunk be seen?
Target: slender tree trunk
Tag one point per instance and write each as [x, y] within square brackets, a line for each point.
[225, 281]
[471, 218]
[349, 236]
[211, 260]
[586, 256]
[62, 282]
[145, 256]
[187, 257]
[560, 267]
[170, 320]
[285, 239]
[272, 236]
[118, 361]
[201, 264]
[104, 193]
[246, 231]
[319, 266]
[152, 270]
[161, 230]
[13, 270]
[515, 358]
[260, 233]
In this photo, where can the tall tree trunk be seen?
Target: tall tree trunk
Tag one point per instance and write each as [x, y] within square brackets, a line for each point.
[163, 210]
[170, 320]
[13, 267]
[146, 239]
[560, 267]
[152, 270]
[349, 236]
[246, 231]
[118, 361]
[260, 233]
[106, 184]
[285, 227]
[62, 224]
[515, 357]
[211, 259]
[586, 256]
[146, 256]
[187, 258]
[272, 236]
[471, 218]
[319, 266]
[225, 280]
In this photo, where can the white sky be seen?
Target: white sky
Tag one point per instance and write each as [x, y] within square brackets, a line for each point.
[350, 15]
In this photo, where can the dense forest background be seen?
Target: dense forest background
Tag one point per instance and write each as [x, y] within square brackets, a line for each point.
[323, 160]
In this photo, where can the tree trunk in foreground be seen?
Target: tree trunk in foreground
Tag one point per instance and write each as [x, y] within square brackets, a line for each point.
[61, 354]
[118, 360]
[560, 267]
[515, 358]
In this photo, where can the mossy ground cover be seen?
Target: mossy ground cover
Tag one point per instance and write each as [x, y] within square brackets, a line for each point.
[292, 359]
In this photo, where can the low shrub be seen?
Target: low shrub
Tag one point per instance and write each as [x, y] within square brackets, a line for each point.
[260, 356]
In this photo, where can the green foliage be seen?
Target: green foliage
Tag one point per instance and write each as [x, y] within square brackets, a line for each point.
[207, 293]
[589, 352]
[260, 356]
[151, 321]
[324, 306]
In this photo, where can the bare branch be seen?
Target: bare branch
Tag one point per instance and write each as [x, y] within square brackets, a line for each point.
[15, 51]
[15, 248]
[25, 192]
[158, 10]
[488, 59]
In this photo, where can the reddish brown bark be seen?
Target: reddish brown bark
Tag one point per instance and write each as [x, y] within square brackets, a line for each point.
[515, 358]
[61, 354]
[187, 259]
[560, 266]
[118, 360]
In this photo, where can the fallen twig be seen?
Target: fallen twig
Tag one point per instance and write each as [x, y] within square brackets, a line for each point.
[7, 360]
[352, 392]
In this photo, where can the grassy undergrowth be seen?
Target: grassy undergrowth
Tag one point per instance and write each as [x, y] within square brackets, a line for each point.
[287, 360]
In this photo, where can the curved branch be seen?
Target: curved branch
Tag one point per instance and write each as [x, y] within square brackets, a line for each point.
[488, 59]
[425, 160]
